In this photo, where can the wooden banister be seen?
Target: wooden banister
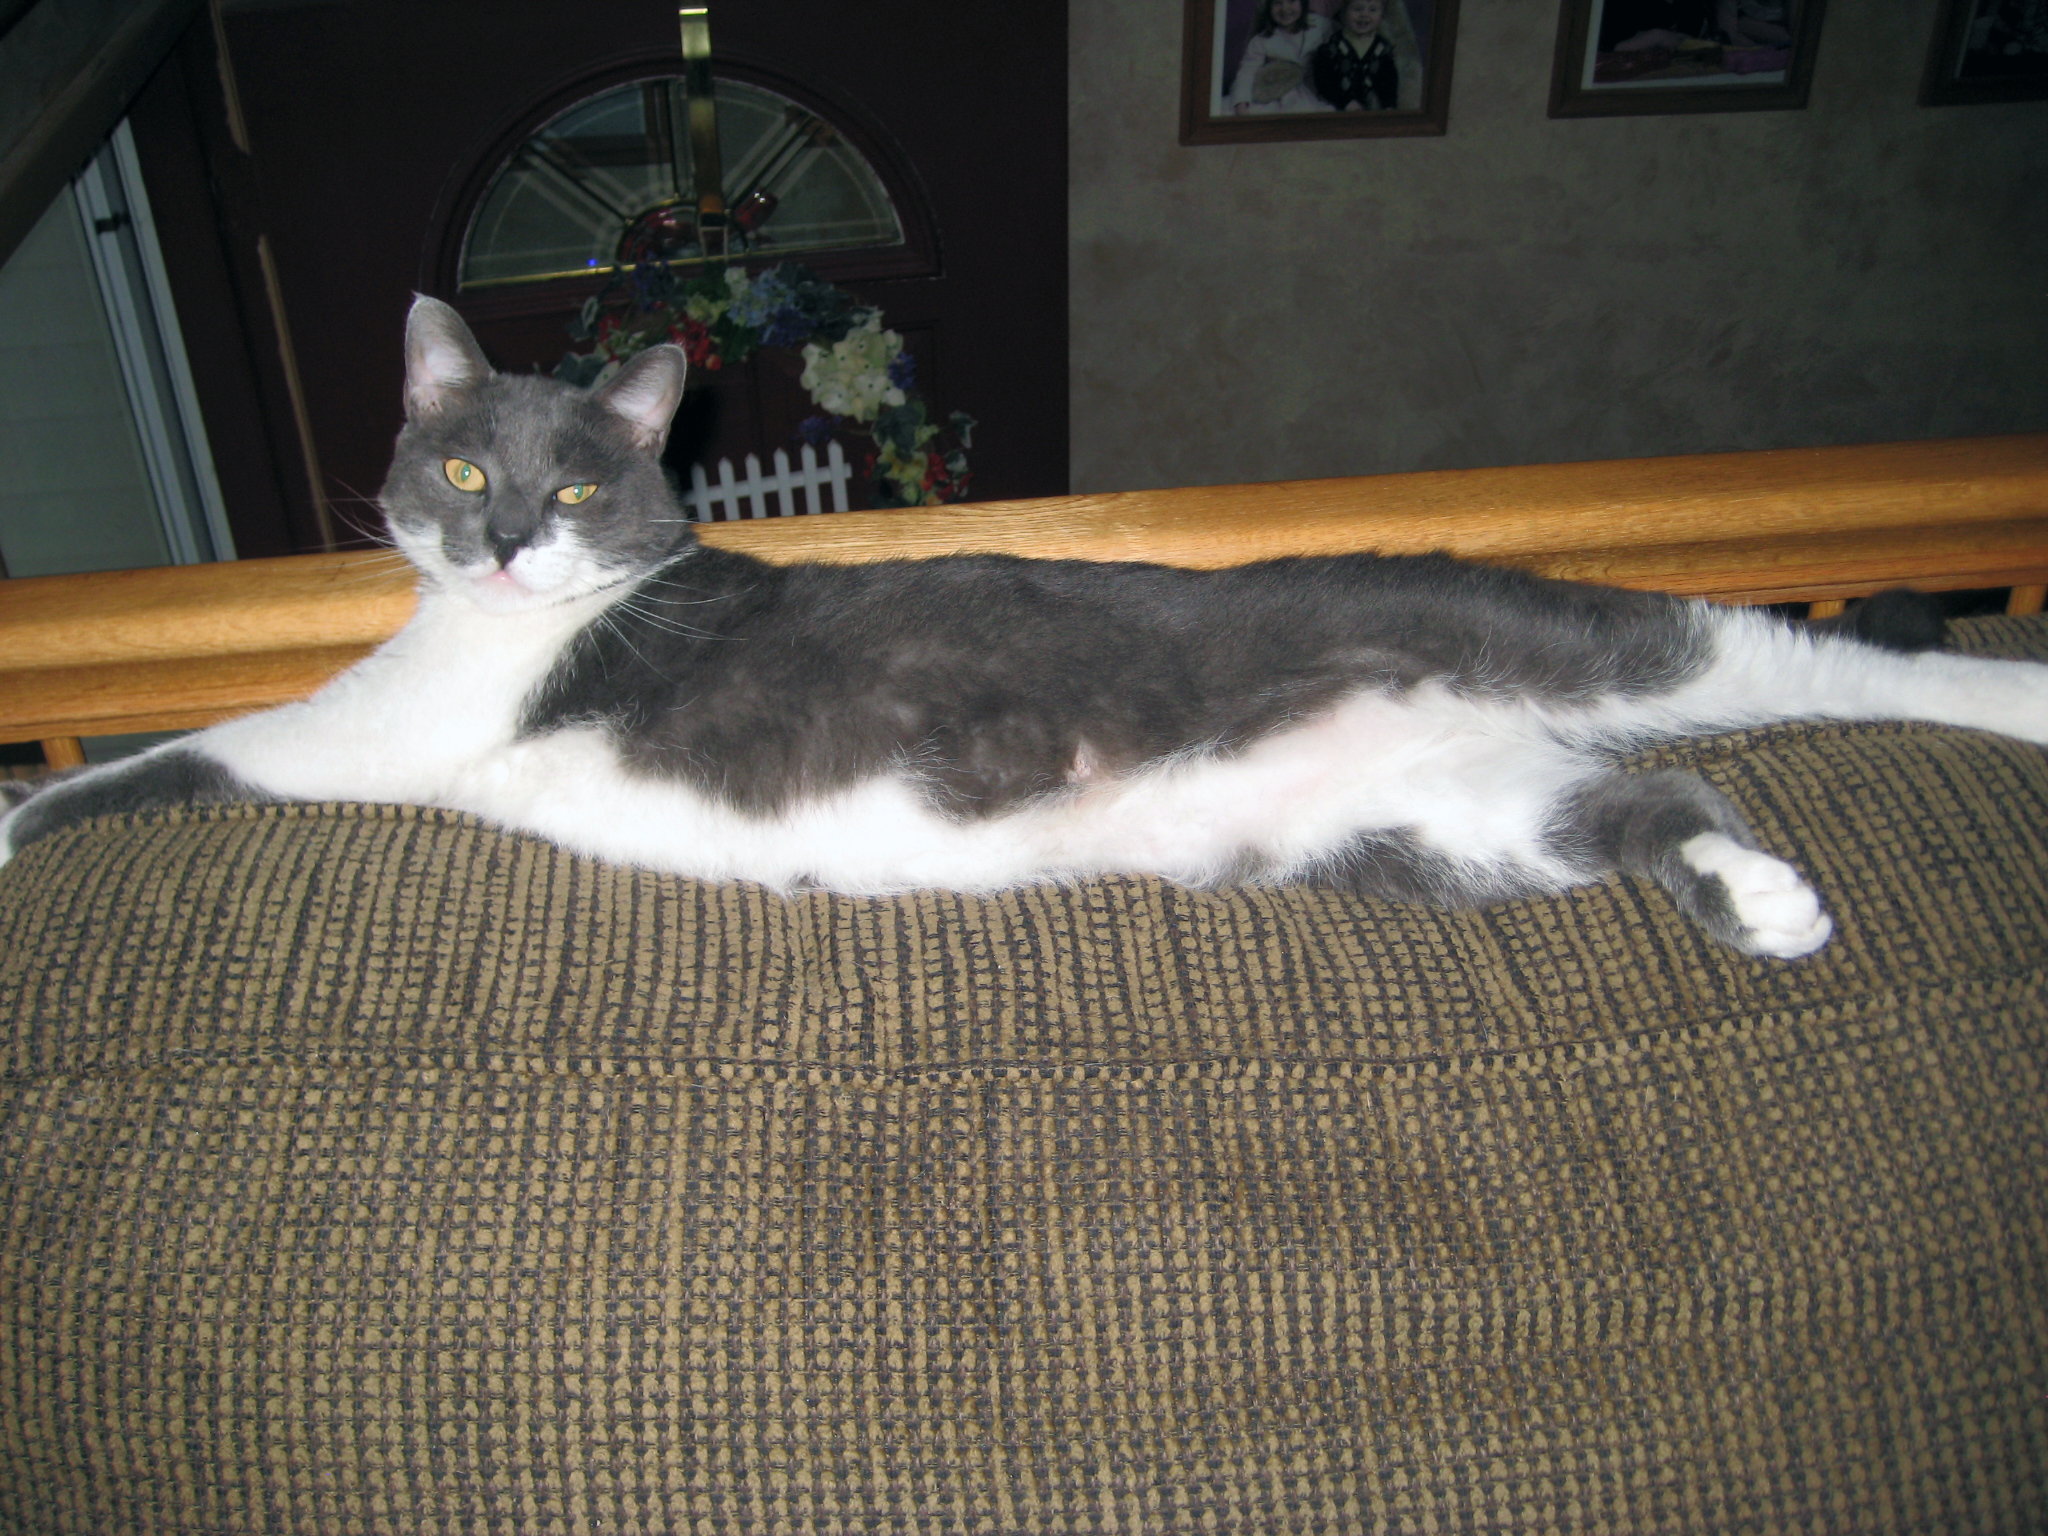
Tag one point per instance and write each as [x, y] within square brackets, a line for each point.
[187, 645]
[1748, 527]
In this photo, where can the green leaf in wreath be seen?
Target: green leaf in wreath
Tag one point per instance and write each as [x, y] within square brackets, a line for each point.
[899, 426]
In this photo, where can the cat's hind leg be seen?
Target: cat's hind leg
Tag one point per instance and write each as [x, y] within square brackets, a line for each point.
[1398, 864]
[1764, 670]
[1670, 827]
[1678, 830]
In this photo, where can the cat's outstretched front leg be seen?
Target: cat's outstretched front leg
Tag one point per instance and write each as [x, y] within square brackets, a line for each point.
[1683, 833]
[174, 774]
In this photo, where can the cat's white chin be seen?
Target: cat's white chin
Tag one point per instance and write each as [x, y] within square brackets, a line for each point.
[498, 591]
[502, 592]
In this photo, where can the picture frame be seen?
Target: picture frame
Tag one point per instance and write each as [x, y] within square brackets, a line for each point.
[1625, 58]
[1249, 71]
[1987, 50]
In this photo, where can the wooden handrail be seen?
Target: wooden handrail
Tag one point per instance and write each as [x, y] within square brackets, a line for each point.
[184, 646]
[1747, 527]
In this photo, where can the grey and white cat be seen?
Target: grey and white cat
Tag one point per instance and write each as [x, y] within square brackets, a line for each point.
[582, 669]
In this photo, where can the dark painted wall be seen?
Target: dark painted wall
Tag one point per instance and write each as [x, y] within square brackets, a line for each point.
[365, 117]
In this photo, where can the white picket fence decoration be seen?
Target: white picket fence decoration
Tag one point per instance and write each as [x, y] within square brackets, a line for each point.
[729, 499]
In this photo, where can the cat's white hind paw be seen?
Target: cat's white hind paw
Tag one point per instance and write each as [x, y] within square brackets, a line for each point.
[1779, 913]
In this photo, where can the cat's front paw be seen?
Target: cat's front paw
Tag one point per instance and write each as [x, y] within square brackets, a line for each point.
[1774, 912]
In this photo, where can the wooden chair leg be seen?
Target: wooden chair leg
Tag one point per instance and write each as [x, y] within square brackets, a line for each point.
[64, 752]
[1826, 607]
[2025, 600]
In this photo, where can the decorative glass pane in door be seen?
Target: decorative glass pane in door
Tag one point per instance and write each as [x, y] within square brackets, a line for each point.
[608, 182]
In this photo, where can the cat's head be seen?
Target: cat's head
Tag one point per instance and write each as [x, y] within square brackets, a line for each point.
[521, 492]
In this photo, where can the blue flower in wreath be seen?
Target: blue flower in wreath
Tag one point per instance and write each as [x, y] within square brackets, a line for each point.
[769, 294]
[654, 282]
[787, 327]
[817, 430]
[903, 371]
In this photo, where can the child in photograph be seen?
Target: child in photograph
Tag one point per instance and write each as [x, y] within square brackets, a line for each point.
[1274, 74]
[1370, 62]
[1754, 23]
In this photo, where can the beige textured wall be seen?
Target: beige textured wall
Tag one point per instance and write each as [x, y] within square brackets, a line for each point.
[1526, 289]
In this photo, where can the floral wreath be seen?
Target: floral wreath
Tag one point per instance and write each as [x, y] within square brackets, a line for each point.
[858, 374]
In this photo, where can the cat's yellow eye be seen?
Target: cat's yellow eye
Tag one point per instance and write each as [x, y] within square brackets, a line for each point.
[463, 475]
[572, 495]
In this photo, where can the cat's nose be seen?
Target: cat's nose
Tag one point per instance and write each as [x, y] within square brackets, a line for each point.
[508, 533]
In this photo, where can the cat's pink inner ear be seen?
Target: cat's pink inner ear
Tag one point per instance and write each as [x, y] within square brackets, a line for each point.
[442, 371]
[441, 357]
[646, 392]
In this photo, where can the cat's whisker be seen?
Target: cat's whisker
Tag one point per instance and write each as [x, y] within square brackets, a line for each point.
[373, 565]
[658, 622]
[686, 633]
[370, 529]
[696, 602]
[662, 617]
[650, 603]
[607, 621]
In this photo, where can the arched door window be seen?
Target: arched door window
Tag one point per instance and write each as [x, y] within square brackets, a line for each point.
[608, 182]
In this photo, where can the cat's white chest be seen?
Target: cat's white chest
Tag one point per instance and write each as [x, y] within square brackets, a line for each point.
[410, 722]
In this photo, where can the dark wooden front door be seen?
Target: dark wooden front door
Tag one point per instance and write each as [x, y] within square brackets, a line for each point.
[372, 123]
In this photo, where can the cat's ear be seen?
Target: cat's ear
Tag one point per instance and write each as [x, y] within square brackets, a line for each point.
[442, 360]
[646, 392]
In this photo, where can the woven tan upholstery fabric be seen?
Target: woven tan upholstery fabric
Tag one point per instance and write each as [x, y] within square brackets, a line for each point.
[369, 1170]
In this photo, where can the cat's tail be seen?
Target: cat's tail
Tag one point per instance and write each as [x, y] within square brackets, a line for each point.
[1898, 620]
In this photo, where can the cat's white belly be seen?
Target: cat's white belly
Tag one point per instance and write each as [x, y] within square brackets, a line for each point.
[1468, 780]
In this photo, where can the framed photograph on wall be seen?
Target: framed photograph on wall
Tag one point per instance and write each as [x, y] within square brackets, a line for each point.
[1620, 58]
[1256, 71]
[1987, 50]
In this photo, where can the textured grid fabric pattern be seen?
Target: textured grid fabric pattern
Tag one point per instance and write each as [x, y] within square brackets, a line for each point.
[369, 1170]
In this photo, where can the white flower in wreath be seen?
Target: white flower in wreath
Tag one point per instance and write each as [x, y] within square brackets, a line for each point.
[851, 378]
